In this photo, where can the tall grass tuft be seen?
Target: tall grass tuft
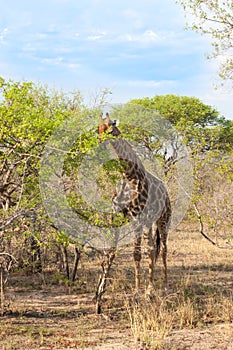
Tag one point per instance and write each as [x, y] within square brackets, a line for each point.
[190, 306]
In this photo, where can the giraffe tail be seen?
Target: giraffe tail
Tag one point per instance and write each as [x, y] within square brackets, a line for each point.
[157, 242]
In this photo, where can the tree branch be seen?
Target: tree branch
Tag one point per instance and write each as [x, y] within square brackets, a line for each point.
[201, 230]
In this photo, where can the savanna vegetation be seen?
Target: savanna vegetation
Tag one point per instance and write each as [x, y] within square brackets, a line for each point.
[49, 276]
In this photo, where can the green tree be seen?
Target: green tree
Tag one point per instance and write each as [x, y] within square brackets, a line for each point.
[28, 116]
[201, 126]
[209, 138]
[214, 18]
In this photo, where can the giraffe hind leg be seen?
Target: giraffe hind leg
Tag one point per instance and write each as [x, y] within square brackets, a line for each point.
[151, 257]
[137, 261]
[158, 244]
[163, 232]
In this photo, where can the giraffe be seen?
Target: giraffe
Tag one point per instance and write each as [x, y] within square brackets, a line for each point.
[144, 197]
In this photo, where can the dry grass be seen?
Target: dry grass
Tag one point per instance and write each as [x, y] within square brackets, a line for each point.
[190, 307]
[195, 310]
[198, 296]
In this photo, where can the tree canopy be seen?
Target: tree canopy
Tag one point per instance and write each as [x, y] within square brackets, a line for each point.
[200, 125]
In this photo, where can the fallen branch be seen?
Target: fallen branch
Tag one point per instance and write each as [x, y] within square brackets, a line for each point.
[201, 230]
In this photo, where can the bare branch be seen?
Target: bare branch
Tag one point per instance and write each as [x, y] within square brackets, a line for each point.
[201, 230]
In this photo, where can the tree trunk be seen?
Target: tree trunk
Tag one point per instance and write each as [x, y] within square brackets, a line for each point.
[35, 255]
[65, 261]
[101, 287]
[2, 297]
[77, 255]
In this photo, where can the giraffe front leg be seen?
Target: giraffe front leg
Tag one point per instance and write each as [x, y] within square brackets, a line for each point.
[137, 261]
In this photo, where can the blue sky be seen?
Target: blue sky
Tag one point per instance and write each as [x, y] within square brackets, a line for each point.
[134, 48]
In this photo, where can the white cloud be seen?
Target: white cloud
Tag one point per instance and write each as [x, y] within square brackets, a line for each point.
[74, 66]
[150, 36]
[147, 37]
[96, 36]
[53, 61]
[29, 47]
[41, 36]
[143, 83]
[3, 35]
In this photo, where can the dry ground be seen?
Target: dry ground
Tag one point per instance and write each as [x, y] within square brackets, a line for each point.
[194, 312]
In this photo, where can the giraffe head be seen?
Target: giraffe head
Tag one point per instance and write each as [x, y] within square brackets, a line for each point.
[105, 125]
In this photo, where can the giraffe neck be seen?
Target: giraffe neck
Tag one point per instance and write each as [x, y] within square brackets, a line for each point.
[132, 197]
[134, 170]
